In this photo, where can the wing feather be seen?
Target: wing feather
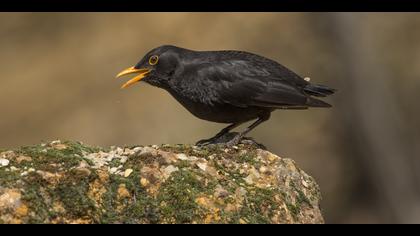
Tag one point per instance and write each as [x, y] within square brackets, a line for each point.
[245, 83]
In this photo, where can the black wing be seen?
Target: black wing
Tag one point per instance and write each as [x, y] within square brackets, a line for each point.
[246, 83]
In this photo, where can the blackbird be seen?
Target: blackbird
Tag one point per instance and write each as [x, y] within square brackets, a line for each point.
[226, 86]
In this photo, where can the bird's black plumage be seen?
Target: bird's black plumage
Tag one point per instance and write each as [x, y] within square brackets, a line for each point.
[228, 86]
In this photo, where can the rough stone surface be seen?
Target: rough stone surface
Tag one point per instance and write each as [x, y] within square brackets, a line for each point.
[68, 182]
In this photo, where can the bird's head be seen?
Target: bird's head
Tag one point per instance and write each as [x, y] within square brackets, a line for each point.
[156, 67]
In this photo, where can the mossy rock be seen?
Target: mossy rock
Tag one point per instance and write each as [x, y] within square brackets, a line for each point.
[69, 182]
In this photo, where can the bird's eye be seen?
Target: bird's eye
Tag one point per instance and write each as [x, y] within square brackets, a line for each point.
[153, 60]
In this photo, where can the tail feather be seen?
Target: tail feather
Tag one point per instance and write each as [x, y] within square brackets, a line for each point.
[318, 90]
[313, 102]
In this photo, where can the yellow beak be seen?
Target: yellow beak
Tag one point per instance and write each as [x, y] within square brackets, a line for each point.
[142, 73]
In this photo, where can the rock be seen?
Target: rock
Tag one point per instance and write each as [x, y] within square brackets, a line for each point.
[128, 172]
[4, 162]
[219, 191]
[125, 158]
[12, 209]
[113, 170]
[10, 198]
[182, 156]
[137, 149]
[60, 146]
[20, 159]
[170, 169]
[146, 152]
[154, 184]
[249, 179]
[7, 155]
[144, 182]
[83, 171]
[57, 144]
[202, 166]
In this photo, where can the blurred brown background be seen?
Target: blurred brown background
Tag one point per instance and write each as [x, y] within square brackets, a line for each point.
[57, 82]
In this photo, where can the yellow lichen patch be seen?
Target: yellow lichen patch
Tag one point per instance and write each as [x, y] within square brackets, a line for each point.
[14, 221]
[79, 221]
[213, 216]
[20, 159]
[10, 199]
[58, 207]
[151, 178]
[290, 164]
[11, 207]
[153, 189]
[97, 187]
[144, 182]
[267, 181]
[22, 211]
[52, 178]
[96, 191]
[203, 201]
[122, 192]
[64, 220]
[103, 175]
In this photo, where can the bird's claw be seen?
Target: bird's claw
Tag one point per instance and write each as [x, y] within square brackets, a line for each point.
[230, 143]
[233, 142]
[228, 139]
[204, 142]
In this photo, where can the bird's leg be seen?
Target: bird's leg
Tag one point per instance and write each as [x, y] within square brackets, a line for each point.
[218, 135]
[238, 137]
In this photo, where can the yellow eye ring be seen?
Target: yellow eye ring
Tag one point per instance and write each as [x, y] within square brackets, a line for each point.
[153, 60]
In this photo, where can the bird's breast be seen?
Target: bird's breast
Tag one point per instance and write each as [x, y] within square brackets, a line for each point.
[216, 111]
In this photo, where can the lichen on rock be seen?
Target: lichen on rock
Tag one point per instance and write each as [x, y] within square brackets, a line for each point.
[69, 182]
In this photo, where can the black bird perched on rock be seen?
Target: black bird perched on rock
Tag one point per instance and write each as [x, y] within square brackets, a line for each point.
[226, 86]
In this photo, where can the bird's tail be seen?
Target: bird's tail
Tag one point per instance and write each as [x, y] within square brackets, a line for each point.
[313, 102]
[318, 90]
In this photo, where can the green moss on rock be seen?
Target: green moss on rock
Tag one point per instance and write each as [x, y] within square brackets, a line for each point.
[69, 182]
[177, 197]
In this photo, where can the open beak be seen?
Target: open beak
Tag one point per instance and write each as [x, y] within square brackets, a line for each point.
[141, 74]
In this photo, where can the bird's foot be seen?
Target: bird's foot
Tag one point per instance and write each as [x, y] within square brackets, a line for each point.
[229, 140]
[251, 142]
[217, 140]
[233, 142]
[246, 141]
[203, 142]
